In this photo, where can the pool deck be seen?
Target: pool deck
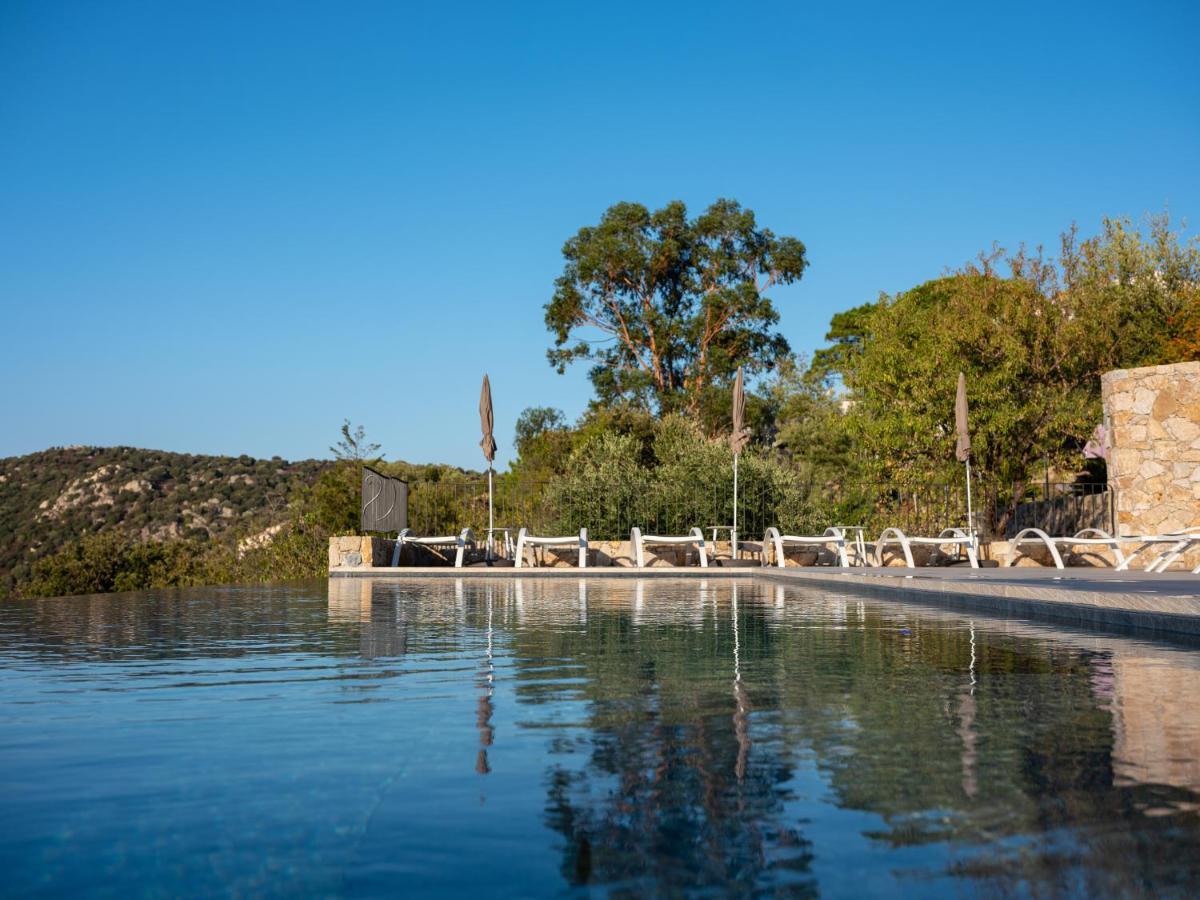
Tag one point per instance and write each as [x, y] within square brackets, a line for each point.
[1100, 598]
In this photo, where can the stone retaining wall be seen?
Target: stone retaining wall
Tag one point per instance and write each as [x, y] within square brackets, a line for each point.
[354, 551]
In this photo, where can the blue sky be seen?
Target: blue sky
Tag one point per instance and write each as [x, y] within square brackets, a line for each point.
[224, 227]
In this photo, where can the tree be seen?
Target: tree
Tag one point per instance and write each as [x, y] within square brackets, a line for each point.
[536, 421]
[1144, 285]
[1032, 372]
[677, 303]
[1033, 337]
[847, 333]
[334, 501]
[810, 427]
[354, 447]
[543, 443]
[1184, 345]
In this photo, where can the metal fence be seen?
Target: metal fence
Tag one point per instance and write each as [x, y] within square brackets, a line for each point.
[1061, 508]
[609, 509]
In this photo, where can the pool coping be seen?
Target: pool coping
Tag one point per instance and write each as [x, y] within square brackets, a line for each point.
[1097, 598]
[1066, 602]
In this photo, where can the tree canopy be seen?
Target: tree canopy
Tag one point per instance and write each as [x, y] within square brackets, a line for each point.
[665, 306]
[1033, 337]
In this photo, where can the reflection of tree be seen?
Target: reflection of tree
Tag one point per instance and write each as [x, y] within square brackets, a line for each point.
[990, 742]
[663, 802]
[670, 795]
[1025, 754]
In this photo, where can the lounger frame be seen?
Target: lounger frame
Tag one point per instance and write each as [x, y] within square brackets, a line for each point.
[639, 540]
[1088, 537]
[1177, 544]
[833, 536]
[525, 539]
[948, 536]
[461, 541]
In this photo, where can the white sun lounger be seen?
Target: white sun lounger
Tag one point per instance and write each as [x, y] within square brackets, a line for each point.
[1176, 543]
[833, 537]
[525, 539]
[1088, 537]
[948, 537]
[639, 540]
[466, 538]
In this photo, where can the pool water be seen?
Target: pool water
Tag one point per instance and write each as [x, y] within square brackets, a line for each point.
[546, 737]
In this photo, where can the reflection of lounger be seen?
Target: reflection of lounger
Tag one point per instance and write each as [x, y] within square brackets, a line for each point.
[954, 537]
[639, 541]
[525, 539]
[1176, 544]
[466, 538]
[833, 537]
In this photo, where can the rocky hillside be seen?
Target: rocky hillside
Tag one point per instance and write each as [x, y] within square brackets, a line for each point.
[50, 498]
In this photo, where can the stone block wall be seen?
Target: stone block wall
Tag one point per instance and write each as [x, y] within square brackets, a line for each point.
[1153, 418]
[353, 550]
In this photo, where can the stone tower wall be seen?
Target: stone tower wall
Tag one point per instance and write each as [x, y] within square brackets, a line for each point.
[1153, 418]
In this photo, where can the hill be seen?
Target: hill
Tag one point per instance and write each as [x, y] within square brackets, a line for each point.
[52, 498]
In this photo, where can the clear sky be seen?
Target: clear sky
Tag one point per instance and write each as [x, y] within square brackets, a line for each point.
[224, 227]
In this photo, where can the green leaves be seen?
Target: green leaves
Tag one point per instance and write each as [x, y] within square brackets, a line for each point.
[665, 306]
[1033, 337]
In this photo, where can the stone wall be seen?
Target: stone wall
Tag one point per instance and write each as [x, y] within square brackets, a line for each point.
[353, 551]
[1153, 418]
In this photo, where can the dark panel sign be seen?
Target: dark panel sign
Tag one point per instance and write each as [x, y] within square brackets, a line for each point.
[384, 502]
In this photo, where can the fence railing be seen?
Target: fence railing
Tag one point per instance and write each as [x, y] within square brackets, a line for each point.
[609, 509]
[1061, 508]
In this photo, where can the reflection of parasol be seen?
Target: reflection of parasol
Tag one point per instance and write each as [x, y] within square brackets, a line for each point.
[485, 708]
[741, 713]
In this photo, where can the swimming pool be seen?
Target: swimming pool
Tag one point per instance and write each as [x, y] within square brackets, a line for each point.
[516, 738]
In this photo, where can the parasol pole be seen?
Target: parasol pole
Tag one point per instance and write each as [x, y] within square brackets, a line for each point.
[737, 442]
[970, 514]
[492, 514]
[962, 447]
[734, 535]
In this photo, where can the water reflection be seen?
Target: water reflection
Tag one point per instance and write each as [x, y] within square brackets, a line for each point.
[487, 684]
[672, 735]
[966, 729]
[706, 714]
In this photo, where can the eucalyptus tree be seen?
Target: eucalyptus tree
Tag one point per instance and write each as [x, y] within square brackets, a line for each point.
[665, 307]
